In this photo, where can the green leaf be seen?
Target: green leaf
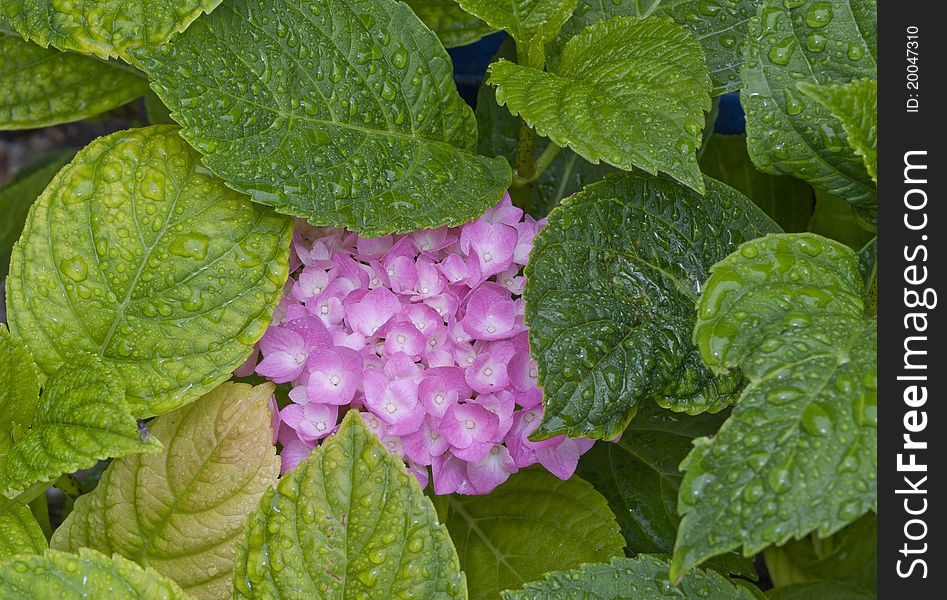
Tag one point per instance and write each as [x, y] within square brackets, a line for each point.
[855, 104]
[523, 19]
[835, 218]
[850, 555]
[720, 26]
[787, 200]
[452, 25]
[531, 524]
[644, 576]
[63, 576]
[611, 287]
[181, 512]
[628, 91]
[17, 196]
[499, 134]
[788, 311]
[105, 28]
[817, 43]
[81, 418]
[349, 519]
[19, 387]
[41, 87]
[344, 113]
[823, 590]
[19, 531]
[136, 254]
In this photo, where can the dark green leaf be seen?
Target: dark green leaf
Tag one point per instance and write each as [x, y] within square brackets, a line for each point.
[341, 112]
[43, 86]
[349, 522]
[532, 524]
[81, 418]
[788, 311]
[855, 104]
[64, 576]
[17, 196]
[136, 254]
[820, 590]
[720, 26]
[612, 283]
[818, 43]
[630, 92]
[452, 25]
[645, 577]
[850, 555]
[787, 200]
[106, 28]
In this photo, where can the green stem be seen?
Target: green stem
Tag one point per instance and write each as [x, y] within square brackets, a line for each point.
[871, 293]
[525, 167]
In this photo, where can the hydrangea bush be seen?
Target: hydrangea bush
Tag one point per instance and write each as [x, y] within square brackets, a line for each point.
[314, 326]
[424, 335]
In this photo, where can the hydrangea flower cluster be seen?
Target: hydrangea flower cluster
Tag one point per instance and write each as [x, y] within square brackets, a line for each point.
[424, 334]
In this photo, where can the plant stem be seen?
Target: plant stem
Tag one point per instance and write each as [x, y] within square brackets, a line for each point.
[521, 194]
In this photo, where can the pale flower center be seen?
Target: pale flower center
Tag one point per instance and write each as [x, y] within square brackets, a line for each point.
[487, 257]
[439, 399]
[300, 358]
[488, 371]
[469, 424]
[334, 380]
[321, 426]
[391, 408]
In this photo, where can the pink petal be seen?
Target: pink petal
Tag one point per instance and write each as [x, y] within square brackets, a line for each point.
[369, 314]
[293, 453]
[503, 212]
[491, 470]
[424, 444]
[404, 337]
[450, 476]
[488, 371]
[334, 375]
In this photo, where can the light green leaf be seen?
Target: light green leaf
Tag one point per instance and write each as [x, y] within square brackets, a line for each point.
[532, 524]
[181, 512]
[81, 418]
[629, 92]
[823, 590]
[138, 255]
[499, 134]
[818, 43]
[720, 26]
[850, 555]
[19, 387]
[452, 25]
[644, 576]
[349, 522]
[611, 286]
[855, 104]
[105, 28]
[63, 576]
[41, 87]
[344, 113]
[523, 19]
[19, 531]
[787, 200]
[787, 310]
[17, 196]
[639, 477]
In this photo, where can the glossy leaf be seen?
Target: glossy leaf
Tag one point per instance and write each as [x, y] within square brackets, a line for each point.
[629, 92]
[181, 512]
[346, 114]
[349, 522]
[532, 524]
[720, 27]
[18, 195]
[788, 311]
[453, 26]
[611, 287]
[850, 555]
[63, 576]
[81, 418]
[105, 28]
[43, 86]
[817, 43]
[787, 200]
[523, 19]
[19, 387]
[855, 104]
[644, 576]
[823, 590]
[19, 531]
[136, 254]
[499, 134]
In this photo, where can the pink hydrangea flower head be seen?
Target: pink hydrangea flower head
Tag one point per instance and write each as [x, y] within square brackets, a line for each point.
[424, 335]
